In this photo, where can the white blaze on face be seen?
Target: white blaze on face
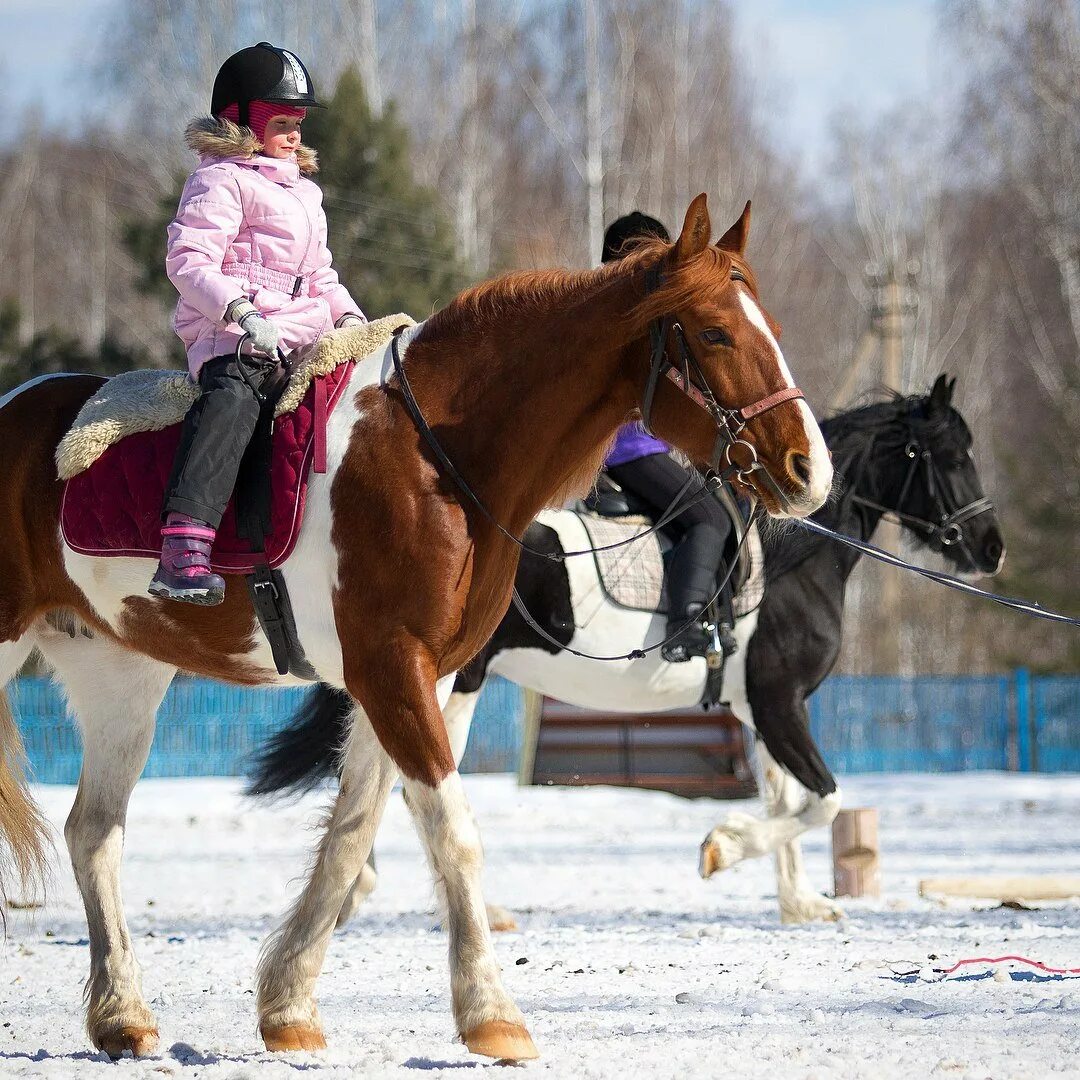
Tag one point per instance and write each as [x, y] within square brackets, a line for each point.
[820, 464]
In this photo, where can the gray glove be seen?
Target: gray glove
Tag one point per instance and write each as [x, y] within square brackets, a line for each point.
[262, 333]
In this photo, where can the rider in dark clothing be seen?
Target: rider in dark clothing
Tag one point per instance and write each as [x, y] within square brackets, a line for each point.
[642, 464]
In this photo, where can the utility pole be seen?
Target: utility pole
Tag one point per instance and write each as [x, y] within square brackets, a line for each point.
[895, 298]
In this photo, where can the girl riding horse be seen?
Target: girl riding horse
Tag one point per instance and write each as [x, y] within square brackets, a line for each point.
[247, 254]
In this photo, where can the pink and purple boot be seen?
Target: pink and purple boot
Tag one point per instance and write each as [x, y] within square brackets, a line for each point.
[184, 572]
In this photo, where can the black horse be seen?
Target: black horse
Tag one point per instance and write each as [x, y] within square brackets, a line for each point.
[908, 458]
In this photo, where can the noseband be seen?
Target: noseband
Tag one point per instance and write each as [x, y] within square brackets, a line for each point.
[948, 529]
[687, 376]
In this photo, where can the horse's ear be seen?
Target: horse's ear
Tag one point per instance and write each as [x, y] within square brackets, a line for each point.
[941, 393]
[734, 240]
[696, 230]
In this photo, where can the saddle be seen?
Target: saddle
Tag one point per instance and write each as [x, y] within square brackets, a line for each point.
[117, 457]
[632, 576]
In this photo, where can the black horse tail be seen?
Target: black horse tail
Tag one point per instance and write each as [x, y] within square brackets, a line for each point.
[307, 750]
[794, 749]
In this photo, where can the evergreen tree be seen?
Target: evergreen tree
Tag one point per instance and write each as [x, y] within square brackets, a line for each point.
[52, 350]
[391, 243]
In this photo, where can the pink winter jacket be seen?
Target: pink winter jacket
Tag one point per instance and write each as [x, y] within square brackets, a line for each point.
[250, 227]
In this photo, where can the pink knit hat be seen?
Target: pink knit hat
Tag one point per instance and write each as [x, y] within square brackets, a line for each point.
[260, 113]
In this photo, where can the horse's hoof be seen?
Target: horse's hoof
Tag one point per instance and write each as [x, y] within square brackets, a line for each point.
[291, 1037]
[128, 1040]
[501, 1040]
[500, 920]
[809, 908]
[708, 859]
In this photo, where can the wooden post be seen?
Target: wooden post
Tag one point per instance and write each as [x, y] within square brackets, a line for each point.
[855, 853]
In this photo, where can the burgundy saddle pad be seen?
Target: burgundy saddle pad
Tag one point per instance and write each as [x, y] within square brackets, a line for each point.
[114, 506]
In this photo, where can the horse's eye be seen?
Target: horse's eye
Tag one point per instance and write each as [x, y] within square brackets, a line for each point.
[715, 336]
[738, 275]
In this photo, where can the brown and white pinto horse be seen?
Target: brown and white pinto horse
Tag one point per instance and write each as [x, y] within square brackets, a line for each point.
[396, 582]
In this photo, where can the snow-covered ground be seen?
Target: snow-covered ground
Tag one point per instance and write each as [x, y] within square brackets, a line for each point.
[626, 965]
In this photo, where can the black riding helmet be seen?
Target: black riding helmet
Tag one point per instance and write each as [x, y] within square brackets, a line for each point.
[262, 72]
[632, 226]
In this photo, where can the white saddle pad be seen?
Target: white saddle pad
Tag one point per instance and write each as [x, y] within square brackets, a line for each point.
[633, 575]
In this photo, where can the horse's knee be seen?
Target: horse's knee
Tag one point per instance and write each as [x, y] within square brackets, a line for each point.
[822, 809]
[448, 824]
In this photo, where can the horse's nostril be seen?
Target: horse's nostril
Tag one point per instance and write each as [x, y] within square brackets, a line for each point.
[992, 549]
[799, 467]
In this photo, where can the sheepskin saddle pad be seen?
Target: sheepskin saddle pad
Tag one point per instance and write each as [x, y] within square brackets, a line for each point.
[117, 457]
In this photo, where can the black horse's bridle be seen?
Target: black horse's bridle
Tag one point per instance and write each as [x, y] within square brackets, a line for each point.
[948, 530]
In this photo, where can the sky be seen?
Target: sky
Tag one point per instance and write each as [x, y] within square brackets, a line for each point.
[817, 56]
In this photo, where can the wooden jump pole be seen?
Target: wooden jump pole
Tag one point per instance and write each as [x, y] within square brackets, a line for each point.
[856, 869]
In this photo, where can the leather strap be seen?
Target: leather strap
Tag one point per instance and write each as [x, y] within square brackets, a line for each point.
[748, 412]
[320, 426]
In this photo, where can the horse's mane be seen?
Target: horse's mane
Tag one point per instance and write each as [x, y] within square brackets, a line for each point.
[545, 292]
[888, 421]
[538, 291]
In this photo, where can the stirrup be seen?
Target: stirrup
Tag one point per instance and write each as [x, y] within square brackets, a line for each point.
[691, 641]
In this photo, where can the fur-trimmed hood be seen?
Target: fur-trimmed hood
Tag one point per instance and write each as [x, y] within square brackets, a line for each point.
[209, 136]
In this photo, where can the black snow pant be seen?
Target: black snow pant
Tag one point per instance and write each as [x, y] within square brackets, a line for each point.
[699, 533]
[216, 432]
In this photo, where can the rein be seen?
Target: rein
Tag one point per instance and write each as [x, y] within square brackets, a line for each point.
[948, 530]
[1029, 607]
[710, 481]
[729, 425]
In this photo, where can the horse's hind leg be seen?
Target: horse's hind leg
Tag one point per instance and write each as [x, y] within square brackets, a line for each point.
[293, 957]
[114, 694]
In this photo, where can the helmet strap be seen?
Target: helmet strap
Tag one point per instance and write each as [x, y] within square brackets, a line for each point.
[243, 118]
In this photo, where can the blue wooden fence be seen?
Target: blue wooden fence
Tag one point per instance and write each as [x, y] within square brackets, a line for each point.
[862, 724]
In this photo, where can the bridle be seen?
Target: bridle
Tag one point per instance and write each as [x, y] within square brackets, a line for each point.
[688, 377]
[948, 529]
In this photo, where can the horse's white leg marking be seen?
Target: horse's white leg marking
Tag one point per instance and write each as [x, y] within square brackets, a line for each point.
[292, 958]
[359, 891]
[786, 797]
[114, 694]
[458, 713]
[452, 841]
[13, 655]
[792, 811]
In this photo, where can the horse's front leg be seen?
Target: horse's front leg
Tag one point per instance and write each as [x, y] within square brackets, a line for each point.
[786, 798]
[410, 723]
[792, 810]
[293, 957]
[114, 694]
[458, 714]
